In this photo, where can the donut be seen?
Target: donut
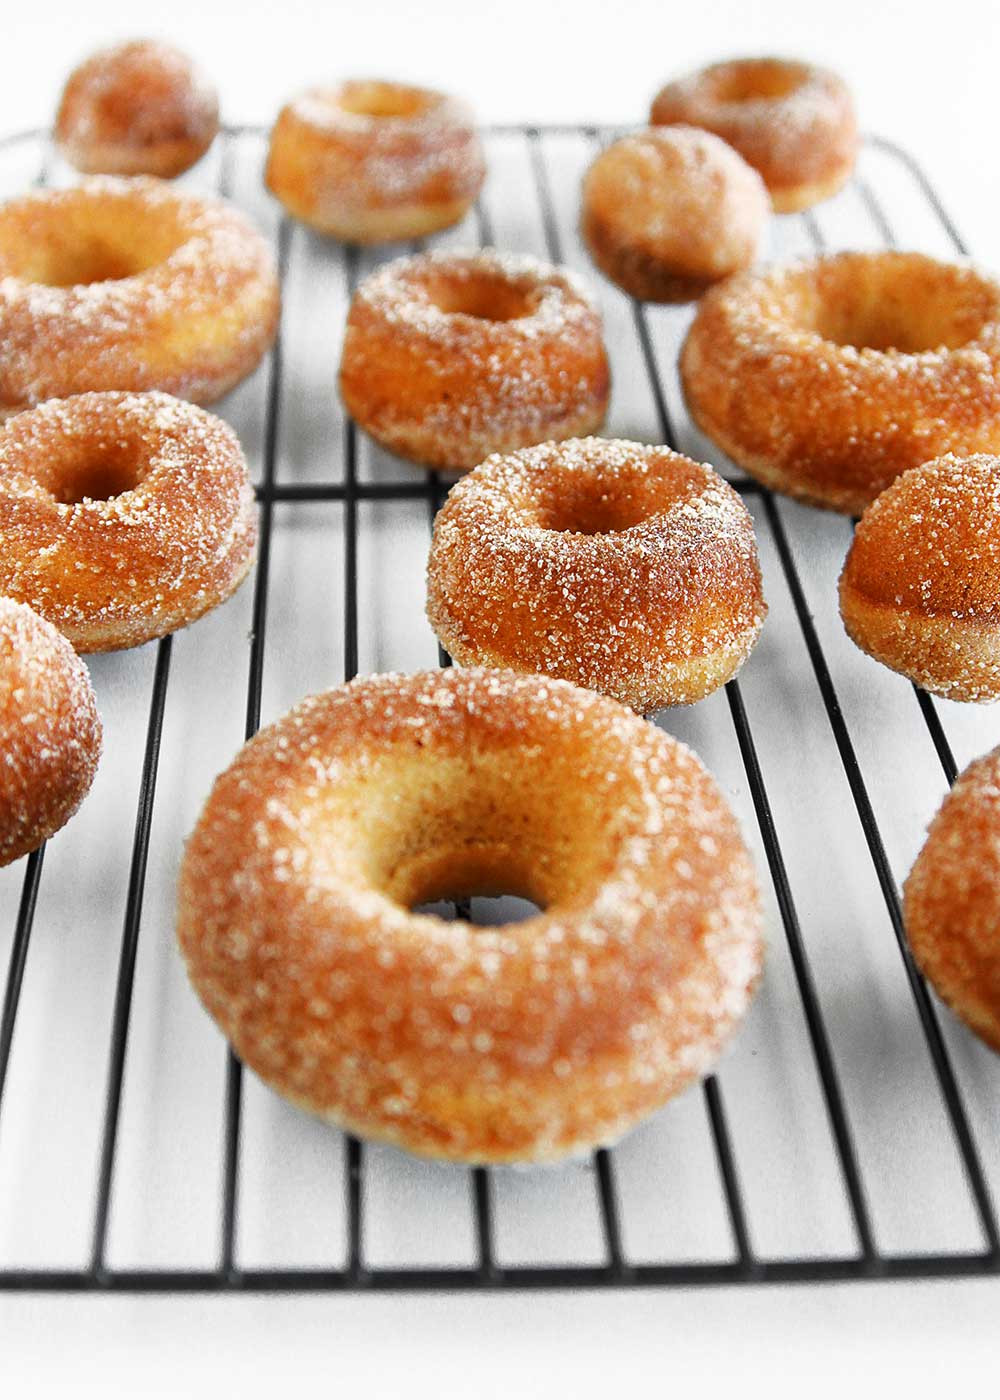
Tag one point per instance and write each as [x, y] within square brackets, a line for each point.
[793, 122]
[139, 108]
[951, 900]
[122, 516]
[299, 924]
[372, 162]
[451, 356]
[50, 732]
[627, 569]
[920, 590]
[130, 284]
[827, 378]
[667, 212]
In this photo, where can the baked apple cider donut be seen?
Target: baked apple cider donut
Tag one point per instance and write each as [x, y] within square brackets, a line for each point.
[451, 356]
[793, 122]
[951, 902]
[50, 733]
[668, 212]
[627, 569]
[130, 284]
[138, 108]
[300, 883]
[122, 516]
[373, 162]
[920, 590]
[827, 378]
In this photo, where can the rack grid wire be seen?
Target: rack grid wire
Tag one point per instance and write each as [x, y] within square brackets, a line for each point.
[352, 492]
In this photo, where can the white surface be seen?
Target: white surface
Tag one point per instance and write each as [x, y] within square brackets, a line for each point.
[166, 1185]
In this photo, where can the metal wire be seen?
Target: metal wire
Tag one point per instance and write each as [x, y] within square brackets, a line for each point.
[745, 1266]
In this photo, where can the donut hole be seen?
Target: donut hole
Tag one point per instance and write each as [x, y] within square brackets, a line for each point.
[593, 505]
[79, 474]
[380, 100]
[757, 80]
[86, 262]
[485, 296]
[906, 304]
[80, 243]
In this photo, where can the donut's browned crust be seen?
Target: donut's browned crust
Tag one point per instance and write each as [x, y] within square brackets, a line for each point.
[668, 212]
[951, 900]
[624, 568]
[130, 284]
[517, 1043]
[373, 162]
[451, 356]
[122, 516]
[138, 108]
[50, 732]
[920, 590]
[826, 379]
[793, 122]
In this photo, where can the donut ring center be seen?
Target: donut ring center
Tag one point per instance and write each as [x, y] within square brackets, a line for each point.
[73, 470]
[384, 100]
[80, 242]
[600, 503]
[482, 295]
[760, 80]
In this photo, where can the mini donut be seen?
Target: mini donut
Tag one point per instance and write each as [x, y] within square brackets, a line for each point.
[451, 356]
[50, 732]
[827, 378]
[951, 900]
[624, 568]
[920, 590]
[130, 284]
[793, 122]
[139, 108]
[372, 162]
[668, 212]
[122, 516]
[475, 1044]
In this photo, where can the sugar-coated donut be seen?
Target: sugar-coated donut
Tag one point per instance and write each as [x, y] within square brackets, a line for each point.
[50, 732]
[451, 356]
[827, 378]
[122, 516]
[920, 590]
[488, 1044]
[138, 108]
[951, 900]
[624, 568]
[372, 162]
[669, 211]
[793, 122]
[130, 284]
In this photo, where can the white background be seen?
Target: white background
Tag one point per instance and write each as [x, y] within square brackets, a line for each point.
[927, 78]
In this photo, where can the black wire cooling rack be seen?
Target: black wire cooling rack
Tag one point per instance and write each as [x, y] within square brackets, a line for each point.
[746, 1265]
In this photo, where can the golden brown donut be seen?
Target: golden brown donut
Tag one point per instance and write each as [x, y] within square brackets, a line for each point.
[627, 569]
[50, 732]
[667, 212]
[496, 1044]
[920, 590]
[827, 378]
[130, 284]
[451, 356]
[793, 122]
[122, 516]
[951, 900]
[138, 108]
[372, 162]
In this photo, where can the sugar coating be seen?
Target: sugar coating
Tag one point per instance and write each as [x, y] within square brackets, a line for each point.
[50, 732]
[190, 307]
[804, 373]
[920, 589]
[666, 212]
[952, 899]
[445, 387]
[626, 568]
[175, 541]
[140, 107]
[517, 1043]
[806, 136]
